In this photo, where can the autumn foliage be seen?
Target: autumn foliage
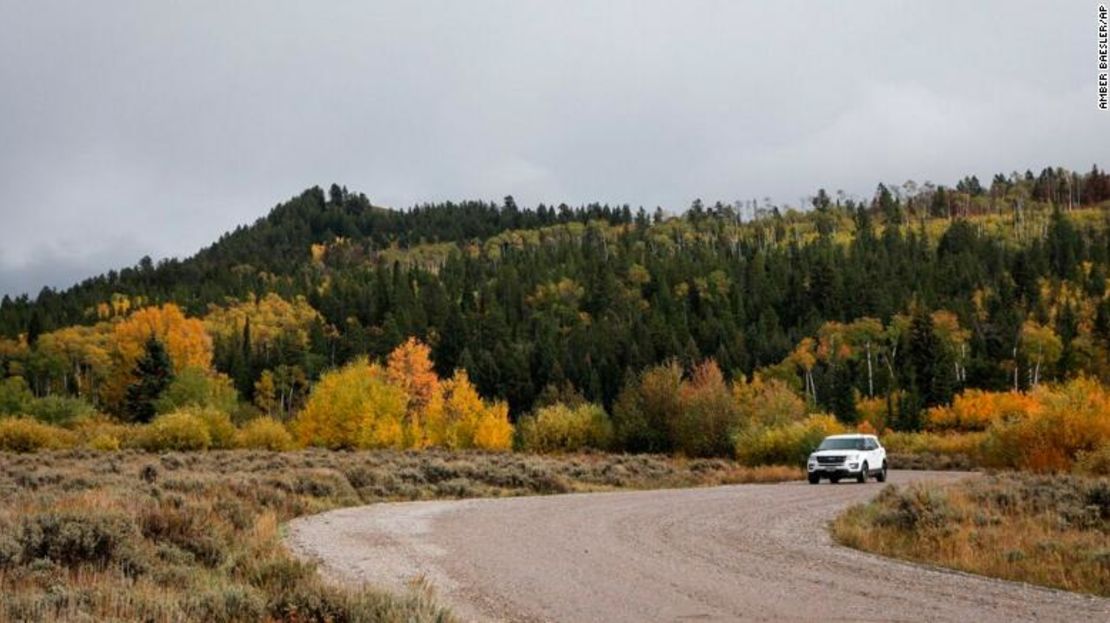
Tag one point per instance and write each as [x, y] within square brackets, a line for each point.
[353, 407]
[403, 405]
[785, 444]
[977, 409]
[708, 416]
[1070, 420]
[185, 339]
[559, 428]
[1045, 429]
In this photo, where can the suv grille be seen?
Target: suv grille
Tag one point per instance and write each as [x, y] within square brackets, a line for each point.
[830, 460]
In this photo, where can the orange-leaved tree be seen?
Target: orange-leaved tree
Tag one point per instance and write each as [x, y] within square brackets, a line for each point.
[185, 340]
[976, 410]
[410, 368]
[1072, 418]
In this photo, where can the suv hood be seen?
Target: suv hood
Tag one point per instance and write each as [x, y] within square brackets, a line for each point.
[836, 452]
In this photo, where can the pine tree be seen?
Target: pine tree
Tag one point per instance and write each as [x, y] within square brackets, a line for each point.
[909, 410]
[843, 396]
[34, 327]
[153, 373]
[928, 362]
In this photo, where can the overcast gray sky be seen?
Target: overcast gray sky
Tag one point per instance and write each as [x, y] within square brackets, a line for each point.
[149, 128]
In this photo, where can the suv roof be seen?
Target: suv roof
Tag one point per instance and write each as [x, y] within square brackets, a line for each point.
[850, 436]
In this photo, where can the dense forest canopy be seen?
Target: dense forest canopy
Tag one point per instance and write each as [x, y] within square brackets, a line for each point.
[907, 297]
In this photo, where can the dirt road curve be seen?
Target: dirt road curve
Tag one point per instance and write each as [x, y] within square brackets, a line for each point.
[747, 552]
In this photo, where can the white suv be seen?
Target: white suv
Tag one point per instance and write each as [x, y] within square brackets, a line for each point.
[847, 456]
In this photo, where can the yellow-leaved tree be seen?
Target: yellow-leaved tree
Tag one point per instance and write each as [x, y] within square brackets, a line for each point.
[85, 355]
[353, 407]
[272, 320]
[471, 422]
[401, 405]
[265, 393]
[185, 339]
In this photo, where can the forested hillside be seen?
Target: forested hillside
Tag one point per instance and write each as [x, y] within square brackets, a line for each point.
[904, 299]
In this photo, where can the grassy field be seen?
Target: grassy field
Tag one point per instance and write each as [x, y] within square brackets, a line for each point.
[1042, 529]
[103, 536]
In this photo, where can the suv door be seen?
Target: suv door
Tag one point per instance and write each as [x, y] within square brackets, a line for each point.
[871, 448]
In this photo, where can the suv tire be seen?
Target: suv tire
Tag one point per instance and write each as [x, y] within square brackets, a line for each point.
[881, 477]
[814, 478]
[862, 477]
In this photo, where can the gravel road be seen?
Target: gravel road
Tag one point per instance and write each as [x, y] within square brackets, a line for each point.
[735, 553]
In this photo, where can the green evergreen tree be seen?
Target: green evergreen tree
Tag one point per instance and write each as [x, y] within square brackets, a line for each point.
[929, 364]
[153, 373]
[843, 394]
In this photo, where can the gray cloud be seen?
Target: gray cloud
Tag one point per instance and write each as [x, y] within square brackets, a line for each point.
[163, 125]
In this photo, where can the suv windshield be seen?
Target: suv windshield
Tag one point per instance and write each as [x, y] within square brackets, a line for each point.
[842, 444]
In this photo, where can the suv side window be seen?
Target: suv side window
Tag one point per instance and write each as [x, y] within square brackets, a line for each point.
[871, 445]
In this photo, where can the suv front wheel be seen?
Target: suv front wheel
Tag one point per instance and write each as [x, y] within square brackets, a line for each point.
[862, 477]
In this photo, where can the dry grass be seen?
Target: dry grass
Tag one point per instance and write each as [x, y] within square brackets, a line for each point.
[104, 536]
[1047, 530]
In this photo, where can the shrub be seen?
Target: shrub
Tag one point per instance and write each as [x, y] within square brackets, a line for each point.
[104, 434]
[179, 430]
[220, 429]
[186, 526]
[227, 604]
[265, 433]
[708, 417]
[947, 444]
[27, 435]
[1072, 419]
[645, 406]
[785, 445]
[1094, 462]
[14, 395]
[931, 462]
[917, 507]
[104, 442]
[976, 410]
[876, 411]
[559, 428]
[196, 387]
[72, 538]
[59, 410]
[770, 401]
